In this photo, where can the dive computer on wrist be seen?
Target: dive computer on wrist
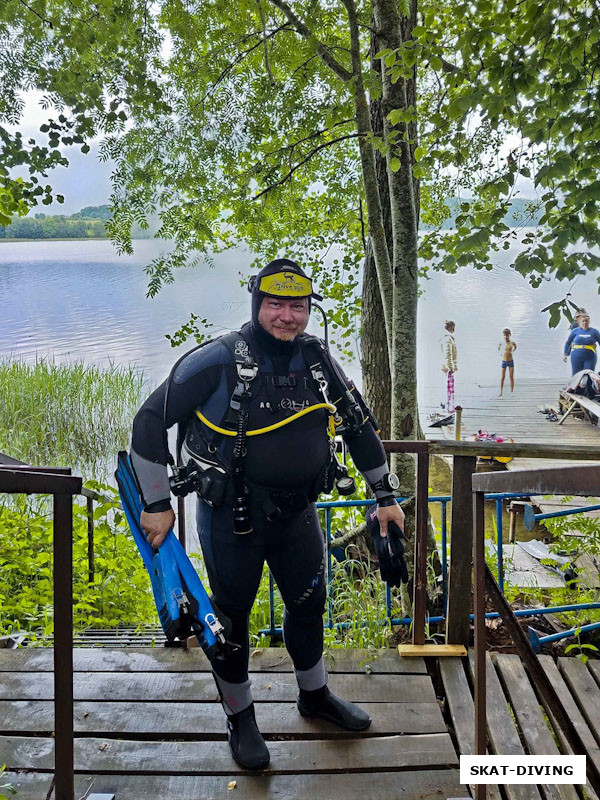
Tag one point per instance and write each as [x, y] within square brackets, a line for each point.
[389, 483]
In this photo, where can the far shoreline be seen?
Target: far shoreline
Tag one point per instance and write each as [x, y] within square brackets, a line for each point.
[12, 240]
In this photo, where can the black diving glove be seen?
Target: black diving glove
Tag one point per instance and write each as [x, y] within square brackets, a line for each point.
[389, 549]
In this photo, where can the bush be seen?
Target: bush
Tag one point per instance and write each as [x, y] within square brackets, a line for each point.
[120, 593]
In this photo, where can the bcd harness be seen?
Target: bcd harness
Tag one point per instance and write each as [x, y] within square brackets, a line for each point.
[201, 467]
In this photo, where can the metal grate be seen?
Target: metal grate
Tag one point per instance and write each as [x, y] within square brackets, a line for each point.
[125, 636]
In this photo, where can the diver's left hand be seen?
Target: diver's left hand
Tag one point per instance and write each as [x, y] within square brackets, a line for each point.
[387, 514]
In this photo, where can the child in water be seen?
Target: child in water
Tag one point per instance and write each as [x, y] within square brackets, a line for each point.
[509, 348]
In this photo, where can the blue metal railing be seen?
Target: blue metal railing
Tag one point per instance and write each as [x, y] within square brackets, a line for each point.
[443, 500]
[530, 518]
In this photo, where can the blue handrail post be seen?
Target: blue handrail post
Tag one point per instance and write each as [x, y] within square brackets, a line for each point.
[329, 600]
[388, 604]
[444, 503]
[499, 542]
[272, 629]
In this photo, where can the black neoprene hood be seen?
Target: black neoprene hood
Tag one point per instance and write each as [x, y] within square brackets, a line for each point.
[278, 265]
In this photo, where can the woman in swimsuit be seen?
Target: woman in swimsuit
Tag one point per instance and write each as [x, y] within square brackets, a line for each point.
[507, 360]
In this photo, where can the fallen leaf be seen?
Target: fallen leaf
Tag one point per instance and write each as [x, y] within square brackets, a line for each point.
[103, 746]
[231, 785]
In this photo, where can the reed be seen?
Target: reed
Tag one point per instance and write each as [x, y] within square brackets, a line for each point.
[76, 415]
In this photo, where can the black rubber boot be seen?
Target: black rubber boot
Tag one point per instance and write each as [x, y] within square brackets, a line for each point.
[325, 705]
[247, 745]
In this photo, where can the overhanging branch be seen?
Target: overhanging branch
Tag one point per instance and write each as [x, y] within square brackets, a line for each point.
[322, 49]
[304, 160]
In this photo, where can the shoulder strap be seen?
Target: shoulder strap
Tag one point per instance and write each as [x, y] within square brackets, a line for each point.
[247, 370]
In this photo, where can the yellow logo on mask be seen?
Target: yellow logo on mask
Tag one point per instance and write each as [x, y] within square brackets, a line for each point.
[286, 284]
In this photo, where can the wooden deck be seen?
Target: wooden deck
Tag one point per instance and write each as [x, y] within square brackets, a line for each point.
[517, 722]
[148, 725]
[515, 416]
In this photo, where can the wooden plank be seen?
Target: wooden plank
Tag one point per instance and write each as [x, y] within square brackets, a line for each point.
[594, 668]
[208, 758]
[503, 734]
[168, 659]
[207, 720]
[585, 690]
[438, 650]
[527, 710]
[434, 784]
[570, 706]
[462, 712]
[200, 687]
[522, 569]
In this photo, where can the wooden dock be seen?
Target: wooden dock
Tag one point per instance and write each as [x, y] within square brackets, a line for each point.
[148, 724]
[515, 416]
[517, 723]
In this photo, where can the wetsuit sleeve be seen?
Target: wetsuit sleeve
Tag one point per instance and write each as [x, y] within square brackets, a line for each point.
[366, 448]
[570, 340]
[195, 379]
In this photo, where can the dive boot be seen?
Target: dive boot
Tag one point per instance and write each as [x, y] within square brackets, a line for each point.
[247, 745]
[323, 704]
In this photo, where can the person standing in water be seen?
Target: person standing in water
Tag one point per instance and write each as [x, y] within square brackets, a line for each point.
[508, 347]
[449, 363]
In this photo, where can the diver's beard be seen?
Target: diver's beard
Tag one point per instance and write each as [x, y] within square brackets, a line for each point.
[284, 335]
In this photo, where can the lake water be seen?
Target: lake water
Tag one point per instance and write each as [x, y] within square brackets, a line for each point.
[79, 300]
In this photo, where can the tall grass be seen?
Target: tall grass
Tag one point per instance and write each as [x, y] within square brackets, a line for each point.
[76, 415]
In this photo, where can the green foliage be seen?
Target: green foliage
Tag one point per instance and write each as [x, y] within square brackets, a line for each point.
[191, 328]
[582, 648]
[5, 786]
[575, 533]
[73, 415]
[528, 71]
[237, 131]
[95, 67]
[358, 601]
[120, 593]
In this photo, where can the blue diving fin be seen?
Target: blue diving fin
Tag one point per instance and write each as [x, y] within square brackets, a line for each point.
[183, 606]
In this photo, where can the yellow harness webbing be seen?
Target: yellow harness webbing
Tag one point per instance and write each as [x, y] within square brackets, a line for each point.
[257, 431]
[584, 347]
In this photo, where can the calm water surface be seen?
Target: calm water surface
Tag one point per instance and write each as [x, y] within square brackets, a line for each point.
[79, 300]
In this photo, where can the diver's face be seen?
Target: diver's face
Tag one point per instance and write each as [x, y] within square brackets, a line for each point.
[584, 322]
[284, 318]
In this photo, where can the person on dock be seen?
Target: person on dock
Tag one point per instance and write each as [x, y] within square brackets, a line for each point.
[581, 344]
[508, 347]
[449, 364]
[259, 479]
[575, 324]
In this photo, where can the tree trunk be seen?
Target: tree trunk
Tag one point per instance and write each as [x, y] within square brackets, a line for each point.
[375, 360]
[390, 31]
[375, 364]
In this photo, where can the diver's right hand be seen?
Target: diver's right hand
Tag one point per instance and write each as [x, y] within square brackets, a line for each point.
[157, 525]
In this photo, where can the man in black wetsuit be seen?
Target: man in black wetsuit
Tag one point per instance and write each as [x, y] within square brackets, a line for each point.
[283, 473]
